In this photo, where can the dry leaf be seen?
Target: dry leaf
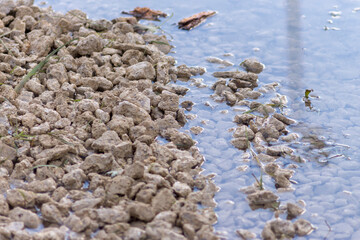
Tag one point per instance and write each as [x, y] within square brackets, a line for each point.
[195, 20]
[146, 13]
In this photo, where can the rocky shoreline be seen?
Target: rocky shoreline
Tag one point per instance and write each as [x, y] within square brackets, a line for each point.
[80, 156]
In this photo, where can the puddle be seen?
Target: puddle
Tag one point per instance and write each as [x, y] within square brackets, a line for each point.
[289, 38]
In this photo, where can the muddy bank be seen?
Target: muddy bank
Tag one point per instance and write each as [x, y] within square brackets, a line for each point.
[79, 155]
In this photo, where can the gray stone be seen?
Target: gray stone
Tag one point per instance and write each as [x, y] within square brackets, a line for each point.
[97, 163]
[303, 227]
[262, 197]
[141, 70]
[30, 219]
[163, 200]
[90, 44]
[252, 65]
[106, 142]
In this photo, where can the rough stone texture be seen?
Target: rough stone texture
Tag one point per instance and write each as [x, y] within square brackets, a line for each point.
[169, 101]
[262, 197]
[88, 45]
[252, 65]
[7, 152]
[130, 110]
[163, 200]
[106, 142]
[141, 70]
[74, 179]
[97, 163]
[141, 211]
[30, 219]
[293, 210]
[20, 198]
[44, 186]
[303, 227]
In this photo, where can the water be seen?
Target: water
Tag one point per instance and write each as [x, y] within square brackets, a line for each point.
[289, 38]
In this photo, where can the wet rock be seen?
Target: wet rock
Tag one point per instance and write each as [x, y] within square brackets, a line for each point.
[240, 143]
[193, 218]
[20, 198]
[244, 132]
[141, 211]
[86, 203]
[97, 163]
[169, 101]
[245, 234]
[187, 105]
[290, 137]
[74, 179]
[123, 150]
[51, 213]
[196, 130]
[252, 65]
[7, 152]
[278, 150]
[120, 124]
[119, 185]
[183, 72]
[219, 61]
[43, 186]
[88, 45]
[137, 98]
[88, 105]
[181, 140]
[303, 227]
[293, 211]
[4, 206]
[167, 216]
[230, 98]
[163, 200]
[74, 223]
[50, 233]
[265, 158]
[262, 197]
[141, 70]
[112, 216]
[30, 219]
[106, 142]
[243, 118]
[54, 153]
[130, 110]
[279, 228]
[277, 124]
[284, 119]
[135, 233]
[182, 189]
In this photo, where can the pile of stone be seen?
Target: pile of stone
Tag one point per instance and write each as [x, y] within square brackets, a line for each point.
[79, 155]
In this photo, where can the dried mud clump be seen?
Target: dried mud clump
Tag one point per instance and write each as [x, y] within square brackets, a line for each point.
[79, 150]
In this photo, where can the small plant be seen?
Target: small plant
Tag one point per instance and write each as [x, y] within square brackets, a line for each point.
[22, 135]
[259, 182]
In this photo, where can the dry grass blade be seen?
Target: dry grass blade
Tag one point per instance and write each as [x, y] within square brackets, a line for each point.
[38, 67]
[2, 42]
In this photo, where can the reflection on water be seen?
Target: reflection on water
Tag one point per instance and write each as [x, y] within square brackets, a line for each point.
[288, 37]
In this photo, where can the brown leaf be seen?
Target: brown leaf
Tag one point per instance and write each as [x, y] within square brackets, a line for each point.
[195, 20]
[146, 13]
